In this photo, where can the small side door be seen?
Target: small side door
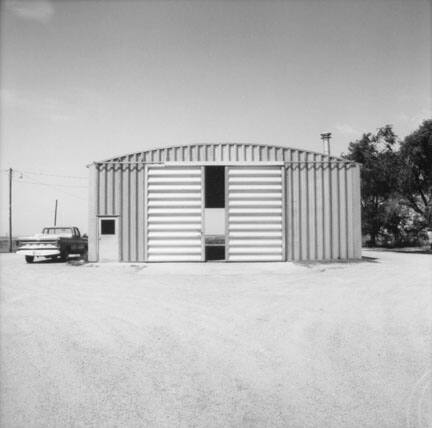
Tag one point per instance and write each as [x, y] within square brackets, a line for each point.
[108, 239]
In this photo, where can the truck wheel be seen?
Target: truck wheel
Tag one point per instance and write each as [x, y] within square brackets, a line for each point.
[63, 256]
[29, 259]
[85, 256]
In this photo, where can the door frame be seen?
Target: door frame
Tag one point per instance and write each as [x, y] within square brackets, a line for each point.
[226, 164]
[161, 165]
[281, 165]
[117, 222]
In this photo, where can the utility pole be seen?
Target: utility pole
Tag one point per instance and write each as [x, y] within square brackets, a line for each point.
[10, 210]
[55, 214]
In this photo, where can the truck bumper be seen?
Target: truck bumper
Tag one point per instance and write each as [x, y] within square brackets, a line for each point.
[39, 253]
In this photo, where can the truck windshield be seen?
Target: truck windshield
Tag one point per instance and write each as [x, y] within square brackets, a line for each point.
[57, 231]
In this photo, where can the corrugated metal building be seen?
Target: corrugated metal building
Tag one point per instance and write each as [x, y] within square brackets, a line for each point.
[233, 202]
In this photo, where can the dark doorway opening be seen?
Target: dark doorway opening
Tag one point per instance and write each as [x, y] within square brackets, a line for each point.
[213, 253]
[215, 187]
[214, 213]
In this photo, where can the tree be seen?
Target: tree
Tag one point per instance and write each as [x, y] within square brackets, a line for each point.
[376, 154]
[415, 172]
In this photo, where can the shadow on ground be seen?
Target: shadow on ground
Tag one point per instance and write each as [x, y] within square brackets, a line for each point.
[407, 250]
[74, 260]
[369, 259]
[364, 259]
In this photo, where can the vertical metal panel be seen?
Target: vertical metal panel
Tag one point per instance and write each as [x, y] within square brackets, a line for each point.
[133, 224]
[117, 180]
[102, 189]
[254, 152]
[230, 152]
[297, 209]
[289, 210]
[342, 213]
[350, 216]
[248, 156]
[304, 209]
[174, 202]
[120, 209]
[279, 153]
[203, 255]
[327, 211]
[93, 212]
[109, 189]
[255, 213]
[311, 208]
[145, 211]
[260, 153]
[284, 217]
[291, 207]
[216, 153]
[227, 244]
[335, 225]
[319, 213]
[243, 152]
[140, 213]
[356, 211]
[125, 214]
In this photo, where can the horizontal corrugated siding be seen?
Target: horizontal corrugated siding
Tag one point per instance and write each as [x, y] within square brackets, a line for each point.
[255, 214]
[174, 219]
[323, 209]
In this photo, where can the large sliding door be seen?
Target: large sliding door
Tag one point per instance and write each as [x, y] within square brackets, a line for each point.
[255, 214]
[174, 220]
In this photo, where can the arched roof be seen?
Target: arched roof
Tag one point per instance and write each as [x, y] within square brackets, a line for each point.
[223, 152]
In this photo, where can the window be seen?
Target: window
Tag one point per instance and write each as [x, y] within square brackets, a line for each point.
[107, 227]
[62, 231]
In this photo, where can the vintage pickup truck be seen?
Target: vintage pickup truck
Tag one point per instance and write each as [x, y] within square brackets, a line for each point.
[53, 242]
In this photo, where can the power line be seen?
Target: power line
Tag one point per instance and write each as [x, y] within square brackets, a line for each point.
[50, 175]
[49, 185]
[54, 185]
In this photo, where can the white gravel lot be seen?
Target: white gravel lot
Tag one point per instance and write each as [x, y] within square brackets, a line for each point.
[217, 345]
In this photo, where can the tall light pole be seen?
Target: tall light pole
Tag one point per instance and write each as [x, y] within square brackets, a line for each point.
[55, 213]
[10, 210]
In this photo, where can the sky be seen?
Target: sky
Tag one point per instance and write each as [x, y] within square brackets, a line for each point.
[82, 81]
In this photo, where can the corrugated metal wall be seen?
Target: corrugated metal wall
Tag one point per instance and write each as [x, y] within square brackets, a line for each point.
[322, 209]
[322, 197]
[118, 190]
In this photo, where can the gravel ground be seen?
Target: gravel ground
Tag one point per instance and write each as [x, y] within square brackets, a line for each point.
[217, 345]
